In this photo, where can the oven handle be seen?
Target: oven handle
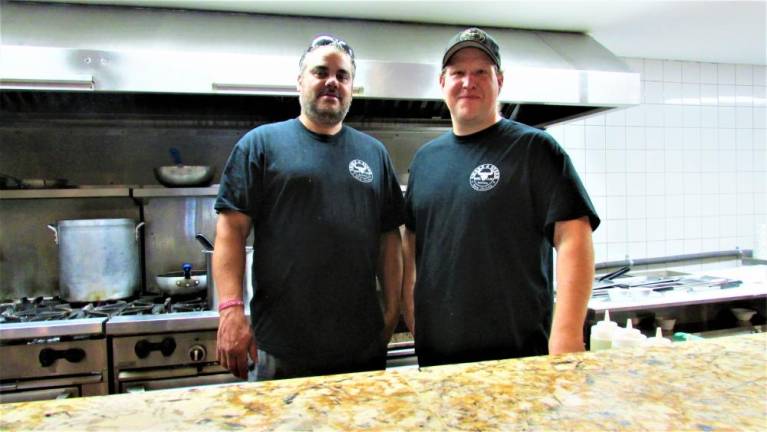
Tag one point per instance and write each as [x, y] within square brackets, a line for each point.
[58, 382]
[43, 394]
[160, 373]
[135, 375]
[8, 387]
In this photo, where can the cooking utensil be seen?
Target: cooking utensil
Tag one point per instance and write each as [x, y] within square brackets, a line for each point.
[98, 259]
[206, 244]
[615, 274]
[185, 281]
[180, 175]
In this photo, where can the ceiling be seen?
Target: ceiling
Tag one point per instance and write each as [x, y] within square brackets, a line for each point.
[710, 31]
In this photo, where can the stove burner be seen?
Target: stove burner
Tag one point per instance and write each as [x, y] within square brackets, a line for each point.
[194, 305]
[54, 308]
[38, 309]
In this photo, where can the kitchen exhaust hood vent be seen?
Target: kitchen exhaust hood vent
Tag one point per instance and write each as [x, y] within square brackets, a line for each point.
[247, 64]
[203, 110]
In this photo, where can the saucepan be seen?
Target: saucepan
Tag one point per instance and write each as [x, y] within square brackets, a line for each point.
[186, 281]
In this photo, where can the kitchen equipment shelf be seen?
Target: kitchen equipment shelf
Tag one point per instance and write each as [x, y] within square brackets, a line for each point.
[109, 192]
[163, 192]
[79, 192]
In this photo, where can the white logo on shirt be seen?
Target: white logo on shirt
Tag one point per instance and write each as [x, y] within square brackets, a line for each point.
[361, 171]
[484, 177]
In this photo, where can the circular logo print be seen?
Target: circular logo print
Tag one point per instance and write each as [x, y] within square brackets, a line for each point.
[361, 171]
[484, 177]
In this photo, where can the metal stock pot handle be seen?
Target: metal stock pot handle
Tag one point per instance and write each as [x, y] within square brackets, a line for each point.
[55, 233]
[140, 224]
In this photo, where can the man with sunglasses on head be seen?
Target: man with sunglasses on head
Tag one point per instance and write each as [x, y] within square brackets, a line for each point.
[485, 204]
[325, 207]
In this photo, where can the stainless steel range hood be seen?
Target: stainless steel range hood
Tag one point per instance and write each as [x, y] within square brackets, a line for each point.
[550, 76]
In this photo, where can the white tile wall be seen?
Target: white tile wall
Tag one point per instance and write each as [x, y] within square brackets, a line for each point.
[684, 172]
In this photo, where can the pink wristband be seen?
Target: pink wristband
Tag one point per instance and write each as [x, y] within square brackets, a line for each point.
[230, 303]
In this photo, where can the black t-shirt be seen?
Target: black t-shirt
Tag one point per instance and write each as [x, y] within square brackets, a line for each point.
[319, 204]
[483, 208]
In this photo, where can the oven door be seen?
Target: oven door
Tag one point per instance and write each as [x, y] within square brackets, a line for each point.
[52, 388]
[38, 395]
[131, 381]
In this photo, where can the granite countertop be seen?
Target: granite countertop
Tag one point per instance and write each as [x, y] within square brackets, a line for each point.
[703, 385]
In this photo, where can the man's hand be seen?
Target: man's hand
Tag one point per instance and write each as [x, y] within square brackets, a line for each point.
[235, 341]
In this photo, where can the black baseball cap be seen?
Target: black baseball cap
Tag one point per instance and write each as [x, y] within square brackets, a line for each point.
[473, 38]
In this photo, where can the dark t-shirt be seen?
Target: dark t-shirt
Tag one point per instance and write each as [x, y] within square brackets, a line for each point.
[319, 204]
[483, 208]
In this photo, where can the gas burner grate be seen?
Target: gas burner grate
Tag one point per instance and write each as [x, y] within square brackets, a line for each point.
[193, 305]
[36, 309]
[54, 308]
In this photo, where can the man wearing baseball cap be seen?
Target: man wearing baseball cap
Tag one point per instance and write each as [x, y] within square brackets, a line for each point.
[485, 204]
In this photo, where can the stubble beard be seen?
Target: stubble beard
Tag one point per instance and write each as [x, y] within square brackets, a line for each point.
[325, 116]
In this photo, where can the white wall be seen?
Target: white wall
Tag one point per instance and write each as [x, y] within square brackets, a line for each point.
[684, 172]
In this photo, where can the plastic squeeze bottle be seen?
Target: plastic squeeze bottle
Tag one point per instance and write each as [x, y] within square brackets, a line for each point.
[628, 337]
[658, 340]
[602, 333]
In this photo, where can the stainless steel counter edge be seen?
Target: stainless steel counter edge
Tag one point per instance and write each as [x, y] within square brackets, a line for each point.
[79, 192]
[159, 192]
[176, 322]
[34, 330]
[744, 292]
[136, 191]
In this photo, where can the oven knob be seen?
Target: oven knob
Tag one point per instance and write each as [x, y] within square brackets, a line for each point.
[143, 347]
[49, 356]
[197, 353]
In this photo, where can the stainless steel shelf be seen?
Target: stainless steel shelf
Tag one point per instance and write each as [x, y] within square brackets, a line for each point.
[160, 192]
[109, 192]
[81, 192]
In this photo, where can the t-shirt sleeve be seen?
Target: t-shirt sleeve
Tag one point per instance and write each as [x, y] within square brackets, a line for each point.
[241, 187]
[392, 214]
[560, 195]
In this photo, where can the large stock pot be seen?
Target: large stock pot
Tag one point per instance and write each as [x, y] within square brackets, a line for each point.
[98, 259]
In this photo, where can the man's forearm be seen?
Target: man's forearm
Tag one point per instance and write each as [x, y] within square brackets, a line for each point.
[229, 259]
[390, 275]
[408, 278]
[575, 274]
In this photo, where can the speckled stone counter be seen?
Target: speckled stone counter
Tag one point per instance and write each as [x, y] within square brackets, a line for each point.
[704, 385]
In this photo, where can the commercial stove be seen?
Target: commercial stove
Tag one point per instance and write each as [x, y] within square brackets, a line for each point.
[53, 349]
[152, 352]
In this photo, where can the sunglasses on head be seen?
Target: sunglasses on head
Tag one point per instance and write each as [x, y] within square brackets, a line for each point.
[320, 41]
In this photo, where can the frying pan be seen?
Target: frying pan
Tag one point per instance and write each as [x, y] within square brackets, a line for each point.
[180, 175]
[185, 281]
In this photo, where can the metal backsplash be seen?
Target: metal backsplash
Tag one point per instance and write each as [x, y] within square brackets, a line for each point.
[28, 253]
[124, 152]
[171, 224]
